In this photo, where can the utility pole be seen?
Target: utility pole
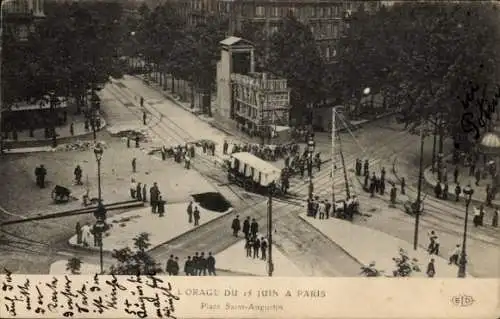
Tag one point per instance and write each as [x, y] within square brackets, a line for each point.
[419, 187]
[347, 191]
[270, 230]
[333, 159]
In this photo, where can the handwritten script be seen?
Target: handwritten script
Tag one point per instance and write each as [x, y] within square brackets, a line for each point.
[134, 297]
[478, 108]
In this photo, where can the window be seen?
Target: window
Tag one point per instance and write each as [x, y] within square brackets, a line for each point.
[274, 29]
[275, 11]
[335, 31]
[327, 52]
[321, 12]
[259, 11]
[328, 12]
[335, 11]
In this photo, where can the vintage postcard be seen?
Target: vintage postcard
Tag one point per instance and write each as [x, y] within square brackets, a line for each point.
[249, 159]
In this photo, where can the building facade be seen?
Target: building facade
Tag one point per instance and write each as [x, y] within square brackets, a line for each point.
[260, 100]
[19, 16]
[325, 18]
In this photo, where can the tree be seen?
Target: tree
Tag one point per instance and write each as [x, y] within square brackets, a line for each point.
[74, 265]
[204, 41]
[293, 54]
[131, 262]
[431, 55]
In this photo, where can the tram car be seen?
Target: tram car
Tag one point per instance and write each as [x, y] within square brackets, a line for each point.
[253, 173]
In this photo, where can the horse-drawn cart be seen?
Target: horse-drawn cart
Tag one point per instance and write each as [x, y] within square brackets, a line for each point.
[252, 173]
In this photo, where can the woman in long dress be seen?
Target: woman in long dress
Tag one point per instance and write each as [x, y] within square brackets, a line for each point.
[86, 235]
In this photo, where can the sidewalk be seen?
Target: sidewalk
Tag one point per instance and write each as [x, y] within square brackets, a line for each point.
[367, 245]
[126, 226]
[234, 259]
[38, 143]
[464, 179]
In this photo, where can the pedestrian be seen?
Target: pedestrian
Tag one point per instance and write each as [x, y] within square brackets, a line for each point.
[134, 165]
[328, 206]
[472, 168]
[175, 266]
[455, 174]
[142, 101]
[160, 203]
[196, 264]
[382, 174]
[488, 195]
[154, 193]
[78, 175]
[144, 193]
[263, 248]
[202, 262]
[366, 166]
[249, 246]
[494, 220]
[382, 186]
[435, 248]
[321, 209]
[454, 256]
[78, 233]
[187, 161]
[137, 141]
[458, 190]
[43, 173]
[138, 192]
[254, 228]
[437, 190]
[393, 194]
[431, 270]
[236, 226]
[188, 265]
[196, 215]
[445, 191]
[256, 247]
[211, 265]
[477, 217]
[170, 264]
[144, 117]
[481, 215]
[477, 175]
[403, 185]
[190, 212]
[432, 237]
[72, 129]
[365, 185]
[128, 141]
[246, 227]
[133, 188]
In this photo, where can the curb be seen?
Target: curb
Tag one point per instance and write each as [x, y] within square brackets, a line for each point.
[160, 244]
[239, 273]
[192, 230]
[45, 143]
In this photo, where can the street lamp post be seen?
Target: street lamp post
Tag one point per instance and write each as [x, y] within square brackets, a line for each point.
[310, 147]
[468, 191]
[100, 213]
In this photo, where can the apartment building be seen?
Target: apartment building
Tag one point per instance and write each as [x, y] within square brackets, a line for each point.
[326, 18]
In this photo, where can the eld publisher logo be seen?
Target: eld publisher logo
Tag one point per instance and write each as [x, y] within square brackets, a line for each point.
[462, 300]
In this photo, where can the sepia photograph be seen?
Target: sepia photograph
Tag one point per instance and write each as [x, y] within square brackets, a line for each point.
[291, 139]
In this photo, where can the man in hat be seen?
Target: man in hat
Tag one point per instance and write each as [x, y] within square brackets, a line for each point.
[236, 226]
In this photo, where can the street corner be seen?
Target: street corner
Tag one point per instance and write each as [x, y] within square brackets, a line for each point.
[126, 226]
[235, 259]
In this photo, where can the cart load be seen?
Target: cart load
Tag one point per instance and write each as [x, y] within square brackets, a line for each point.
[252, 173]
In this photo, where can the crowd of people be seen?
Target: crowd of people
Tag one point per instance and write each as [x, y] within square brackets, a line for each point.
[197, 265]
[255, 246]
[265, 152]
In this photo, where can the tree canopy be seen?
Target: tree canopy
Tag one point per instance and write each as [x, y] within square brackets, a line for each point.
[293, 54]
[73, 47]
[425, 57]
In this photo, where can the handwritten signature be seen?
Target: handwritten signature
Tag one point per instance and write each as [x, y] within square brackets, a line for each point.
[475, 118]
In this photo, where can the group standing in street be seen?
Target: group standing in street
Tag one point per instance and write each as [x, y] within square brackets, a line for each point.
[199, 264]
